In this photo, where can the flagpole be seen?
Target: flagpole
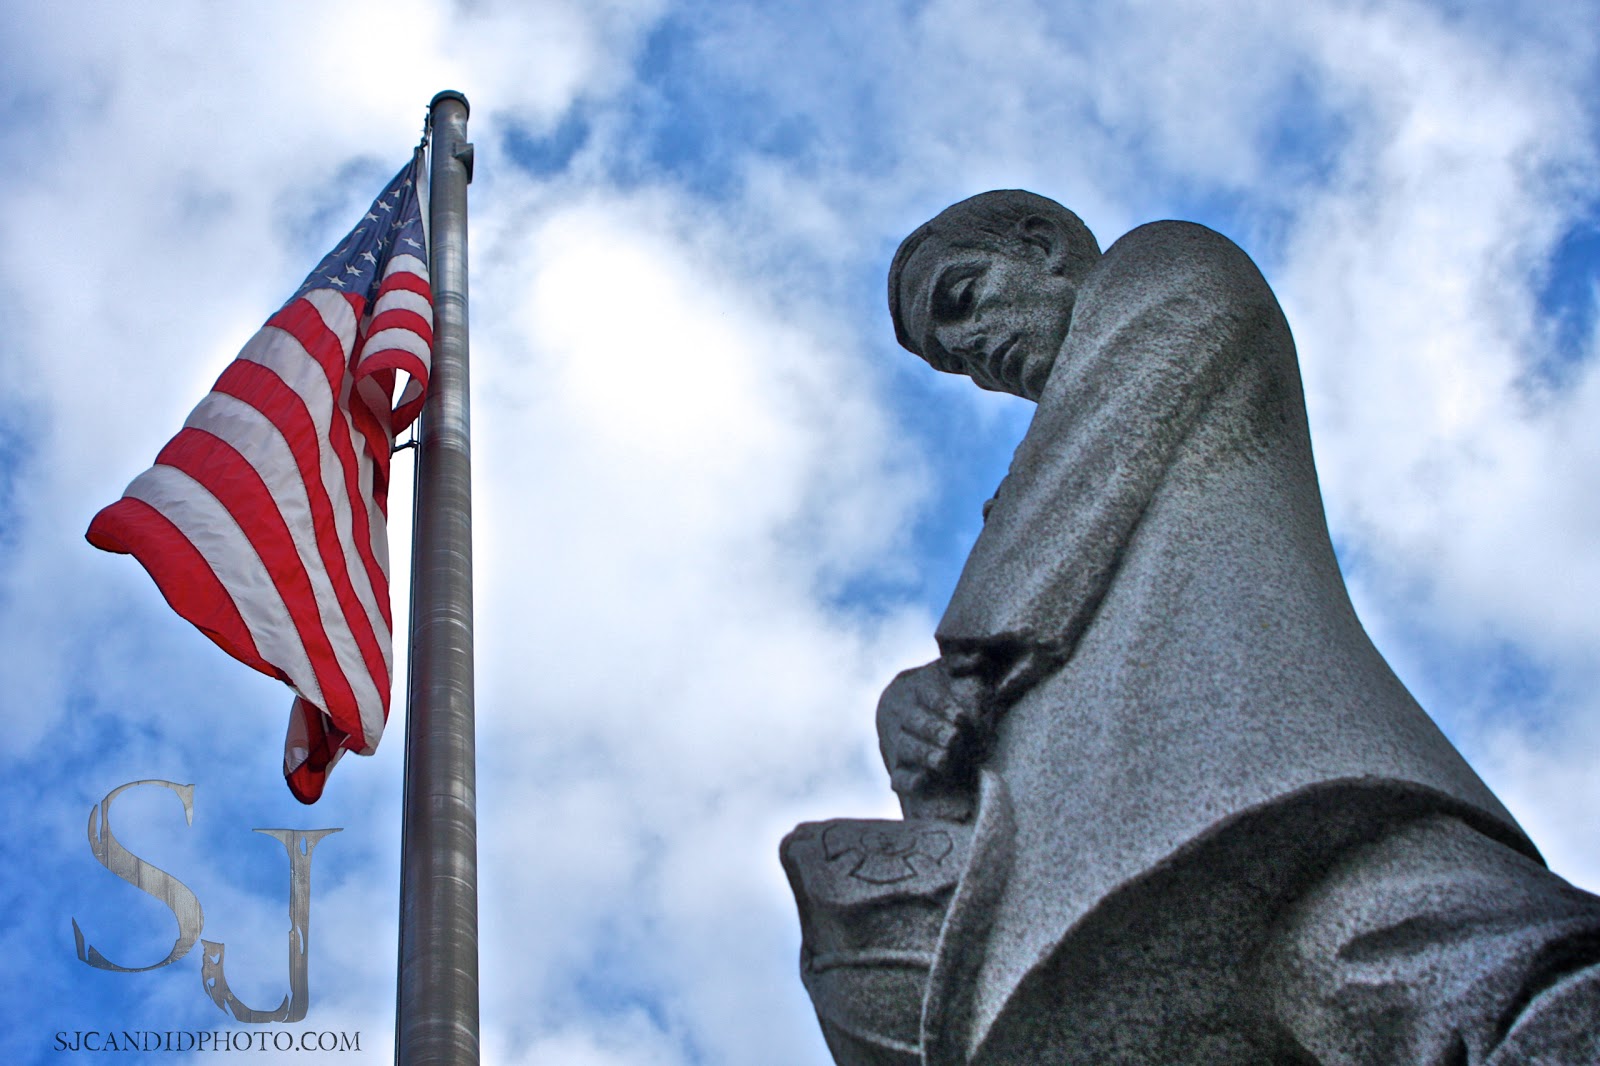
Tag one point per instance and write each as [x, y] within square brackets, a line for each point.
[436, 1017]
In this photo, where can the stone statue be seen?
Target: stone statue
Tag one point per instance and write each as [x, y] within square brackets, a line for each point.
[1164, 801]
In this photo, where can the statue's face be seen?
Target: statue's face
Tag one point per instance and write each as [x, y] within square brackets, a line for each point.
[998, 316]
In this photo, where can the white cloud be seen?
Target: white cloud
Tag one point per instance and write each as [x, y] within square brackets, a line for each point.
[1412, 285]
[658, 432]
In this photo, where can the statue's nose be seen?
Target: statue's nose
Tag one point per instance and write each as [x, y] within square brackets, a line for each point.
[965, 337]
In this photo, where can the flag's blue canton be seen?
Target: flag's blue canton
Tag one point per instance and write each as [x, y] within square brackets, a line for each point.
[391, 226]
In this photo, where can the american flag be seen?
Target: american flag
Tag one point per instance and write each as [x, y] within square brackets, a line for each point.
[264, 521]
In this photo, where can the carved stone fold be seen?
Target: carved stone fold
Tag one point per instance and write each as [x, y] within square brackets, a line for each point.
[1213, 827]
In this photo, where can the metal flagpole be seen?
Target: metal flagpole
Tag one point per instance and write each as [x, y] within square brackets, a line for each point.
[436, 1018]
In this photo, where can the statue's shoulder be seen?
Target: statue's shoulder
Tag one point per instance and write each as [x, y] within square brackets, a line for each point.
[1173, 258]
[1174, 246]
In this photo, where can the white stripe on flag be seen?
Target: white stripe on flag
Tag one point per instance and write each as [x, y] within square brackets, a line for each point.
[404, 300]
[261, 443]
[281, 353]
[214, 533]
[396, 337]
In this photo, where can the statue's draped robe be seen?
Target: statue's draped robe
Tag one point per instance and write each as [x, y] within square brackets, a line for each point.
[1200, 723]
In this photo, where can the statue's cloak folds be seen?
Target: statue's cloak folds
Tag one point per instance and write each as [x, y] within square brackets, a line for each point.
[1158, 555]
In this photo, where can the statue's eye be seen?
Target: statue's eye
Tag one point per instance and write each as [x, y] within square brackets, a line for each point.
[954, 298]
[962, 293]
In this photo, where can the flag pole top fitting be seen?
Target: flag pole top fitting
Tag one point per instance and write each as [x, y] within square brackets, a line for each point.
[449, 94]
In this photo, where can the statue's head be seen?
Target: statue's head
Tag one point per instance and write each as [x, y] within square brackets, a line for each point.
[986, 288]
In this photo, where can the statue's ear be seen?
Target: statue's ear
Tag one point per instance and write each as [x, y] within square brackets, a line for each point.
[1047, 235]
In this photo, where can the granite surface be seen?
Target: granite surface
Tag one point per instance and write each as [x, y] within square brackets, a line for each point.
[1191, 814]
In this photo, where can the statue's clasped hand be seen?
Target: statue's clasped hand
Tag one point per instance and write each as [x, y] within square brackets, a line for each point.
[934, 726]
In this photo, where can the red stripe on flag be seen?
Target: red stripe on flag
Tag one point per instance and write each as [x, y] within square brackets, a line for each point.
[370, 416]
[370, 424]
[373, 423]
[402, 318]
[409, 280]
[304, 323]
[377, 442]
[228, 476]
[307, 780]
[132, 527]
[322, 345]
[263, 390]
[412, 399]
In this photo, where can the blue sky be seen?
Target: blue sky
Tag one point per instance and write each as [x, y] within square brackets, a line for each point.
[717, 507]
